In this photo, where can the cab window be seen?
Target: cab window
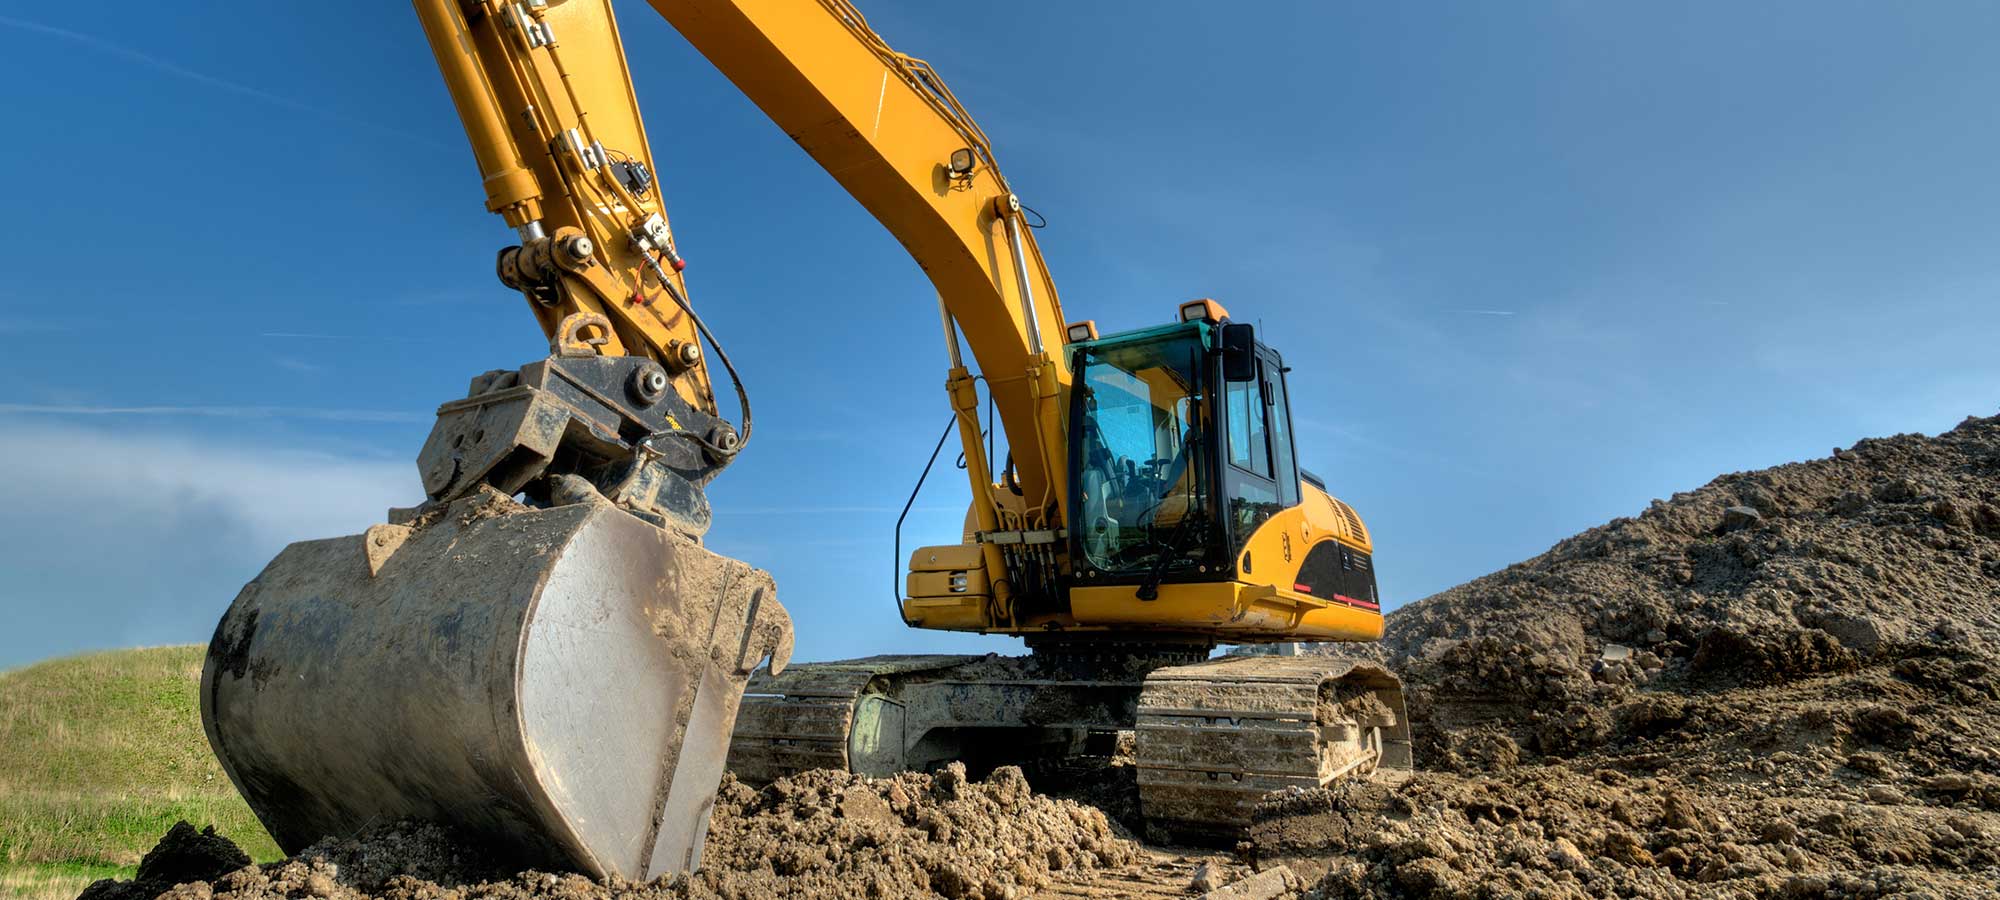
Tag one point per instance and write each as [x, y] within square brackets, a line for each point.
[1282, 450]
[1254, 495]
[1249, 445]
[1144, 477]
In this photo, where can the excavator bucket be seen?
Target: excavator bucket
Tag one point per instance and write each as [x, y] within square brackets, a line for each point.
[559, 683]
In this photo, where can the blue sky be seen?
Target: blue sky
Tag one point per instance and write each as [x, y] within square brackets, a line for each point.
[1534, 265]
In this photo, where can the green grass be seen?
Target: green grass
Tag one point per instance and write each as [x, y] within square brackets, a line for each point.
[99, 756]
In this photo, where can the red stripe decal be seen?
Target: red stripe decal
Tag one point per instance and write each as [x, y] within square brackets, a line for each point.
[1302, 588]
[1353, 602]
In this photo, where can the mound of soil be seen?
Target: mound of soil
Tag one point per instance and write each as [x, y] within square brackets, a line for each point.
[182, 855]
[1887, 550]
[834, 834]
[817, 834]
[1783, 684]
[1568, 832]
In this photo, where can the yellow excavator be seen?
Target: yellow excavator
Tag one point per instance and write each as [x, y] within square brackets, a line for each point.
[542, 655]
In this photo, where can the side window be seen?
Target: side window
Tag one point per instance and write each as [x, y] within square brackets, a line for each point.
[1253, 495]
[1249, 442]
[1287, 471]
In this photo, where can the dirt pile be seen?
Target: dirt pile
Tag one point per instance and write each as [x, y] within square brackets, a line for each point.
[1887, 550]
[833, 834]
[1783, 684]
[1571, 831]
[182, 855]
[818, 834]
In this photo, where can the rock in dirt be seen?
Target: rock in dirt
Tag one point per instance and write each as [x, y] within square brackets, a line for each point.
[1207, 877]
[1740, 517]
[1269, 884]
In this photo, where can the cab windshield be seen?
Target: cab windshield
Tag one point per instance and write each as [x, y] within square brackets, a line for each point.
[1143, 478]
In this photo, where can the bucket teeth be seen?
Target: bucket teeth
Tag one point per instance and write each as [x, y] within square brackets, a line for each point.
[1213, 738]
[380, 542]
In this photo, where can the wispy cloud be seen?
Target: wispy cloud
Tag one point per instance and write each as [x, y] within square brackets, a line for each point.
[224, 412]
[1486, 312]
[298, 365]
[138, 57]
[126, 537]
[284, 493]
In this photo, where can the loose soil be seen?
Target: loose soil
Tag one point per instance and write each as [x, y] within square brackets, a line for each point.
[817, 834]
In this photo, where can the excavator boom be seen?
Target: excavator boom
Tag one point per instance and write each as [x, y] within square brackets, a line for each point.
[887, 128]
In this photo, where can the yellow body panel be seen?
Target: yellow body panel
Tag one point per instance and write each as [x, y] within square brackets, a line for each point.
[1273, 556]
[1279, 545]
[951, 613]
[1230, 610]
[1262, 605]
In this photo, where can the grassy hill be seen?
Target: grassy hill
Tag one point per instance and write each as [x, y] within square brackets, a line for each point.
[99, 756]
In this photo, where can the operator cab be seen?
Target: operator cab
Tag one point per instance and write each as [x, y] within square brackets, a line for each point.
[1181, 445]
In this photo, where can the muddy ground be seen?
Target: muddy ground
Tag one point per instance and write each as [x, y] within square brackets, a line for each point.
[1781, 685]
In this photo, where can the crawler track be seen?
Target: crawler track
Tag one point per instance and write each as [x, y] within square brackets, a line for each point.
[1214, 737]
[1211, 737]
[801, 719]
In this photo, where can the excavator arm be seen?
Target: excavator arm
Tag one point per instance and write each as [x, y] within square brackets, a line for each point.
[546, 99]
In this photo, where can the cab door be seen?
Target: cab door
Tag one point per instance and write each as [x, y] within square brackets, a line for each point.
[1260, 469]
[1278, 411]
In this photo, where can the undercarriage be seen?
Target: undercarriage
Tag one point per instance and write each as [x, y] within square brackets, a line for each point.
[1209, 737]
